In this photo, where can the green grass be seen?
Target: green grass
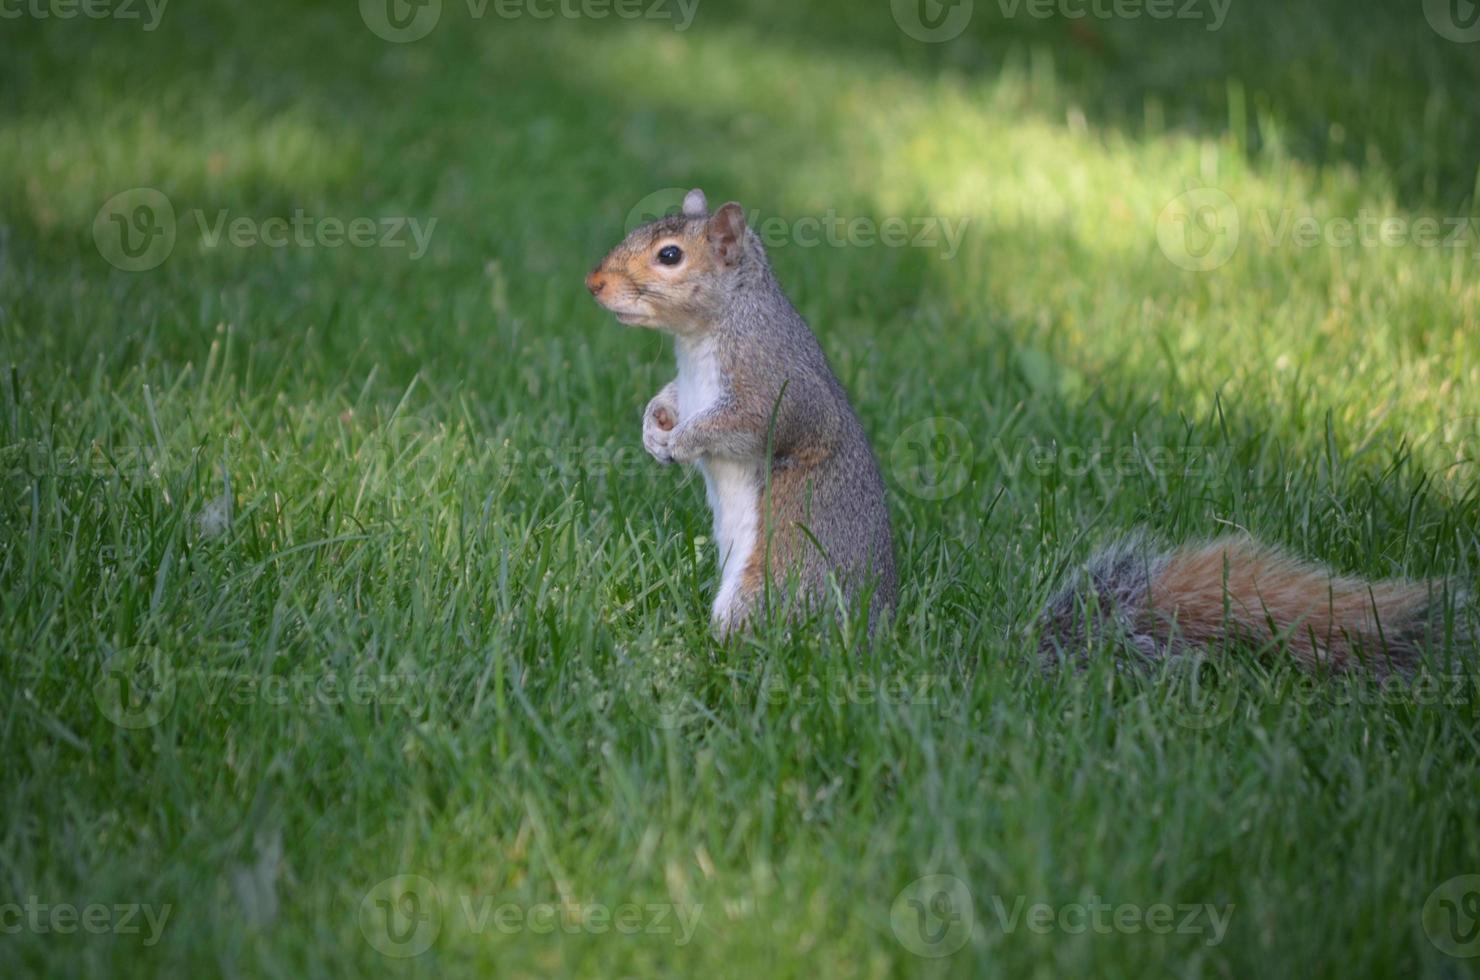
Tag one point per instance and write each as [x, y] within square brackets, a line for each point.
[434, 499]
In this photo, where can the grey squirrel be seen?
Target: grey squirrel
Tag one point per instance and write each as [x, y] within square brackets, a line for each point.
[758, 410]
[1157, 601]
[797, 496]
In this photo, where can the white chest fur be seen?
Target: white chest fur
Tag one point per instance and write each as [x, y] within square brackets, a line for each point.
[732, 485]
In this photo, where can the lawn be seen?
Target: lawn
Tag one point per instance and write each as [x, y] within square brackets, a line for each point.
[348, 630]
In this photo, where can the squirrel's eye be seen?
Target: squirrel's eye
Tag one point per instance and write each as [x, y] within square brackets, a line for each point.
[672, 255]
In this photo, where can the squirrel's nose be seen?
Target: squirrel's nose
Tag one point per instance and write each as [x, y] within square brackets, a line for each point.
[596, 282]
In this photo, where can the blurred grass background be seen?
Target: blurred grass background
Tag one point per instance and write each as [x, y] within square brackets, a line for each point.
[433, 471]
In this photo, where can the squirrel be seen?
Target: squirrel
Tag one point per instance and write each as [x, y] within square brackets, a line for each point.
[758, 410]
[1158, 602]
[796, 492]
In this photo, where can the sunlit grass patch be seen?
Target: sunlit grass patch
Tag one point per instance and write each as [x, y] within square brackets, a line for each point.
[427, 610]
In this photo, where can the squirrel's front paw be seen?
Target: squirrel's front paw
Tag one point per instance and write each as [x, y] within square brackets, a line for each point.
[658, 425]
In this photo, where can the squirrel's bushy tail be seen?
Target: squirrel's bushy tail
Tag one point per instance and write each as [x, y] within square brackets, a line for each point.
[1163, 602]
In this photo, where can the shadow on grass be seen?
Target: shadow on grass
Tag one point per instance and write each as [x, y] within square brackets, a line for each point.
[532, 151]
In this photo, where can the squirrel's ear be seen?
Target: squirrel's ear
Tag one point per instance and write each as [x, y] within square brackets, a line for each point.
[695, 204]
[727, 232]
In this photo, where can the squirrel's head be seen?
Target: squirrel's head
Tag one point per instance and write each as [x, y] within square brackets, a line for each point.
[679, 273]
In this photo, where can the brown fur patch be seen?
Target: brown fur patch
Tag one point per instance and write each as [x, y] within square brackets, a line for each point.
[772, 540]
[630, 279]
[753, 579]
[1241, 588]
